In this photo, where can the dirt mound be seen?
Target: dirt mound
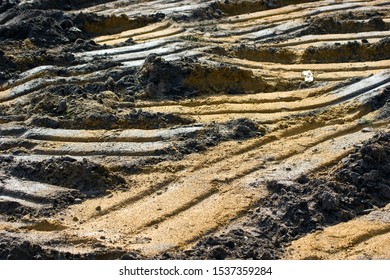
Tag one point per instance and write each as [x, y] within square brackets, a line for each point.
[99, 117]
[14, 248]
[346, 23]
[21, 56]
[85, 176]
[351, 51]
[43, 28]
[213, 135]
[100, 105]
[93, 119]
[335, 53]
[14, 209]
[244, 129]
[163, 79]
[266, 54]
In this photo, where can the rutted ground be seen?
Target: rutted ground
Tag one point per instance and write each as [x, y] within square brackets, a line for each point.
[186, 129]
[363, 238]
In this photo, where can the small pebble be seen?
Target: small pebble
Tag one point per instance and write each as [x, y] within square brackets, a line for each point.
[78, 200]
[366, 129]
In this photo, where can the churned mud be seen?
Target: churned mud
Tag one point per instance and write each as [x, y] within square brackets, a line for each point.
[240, 129]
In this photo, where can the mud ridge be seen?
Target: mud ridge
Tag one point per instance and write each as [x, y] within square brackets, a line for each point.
[89, 178]
[12, 248]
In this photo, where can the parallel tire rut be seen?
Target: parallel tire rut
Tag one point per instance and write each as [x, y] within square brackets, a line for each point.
[165, 129]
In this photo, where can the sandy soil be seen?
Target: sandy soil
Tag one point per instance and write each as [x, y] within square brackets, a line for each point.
[188, 129]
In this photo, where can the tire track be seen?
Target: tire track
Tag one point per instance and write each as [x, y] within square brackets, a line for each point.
[173, 203]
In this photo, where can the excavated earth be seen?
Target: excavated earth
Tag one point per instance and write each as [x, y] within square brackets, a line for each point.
[203, 129]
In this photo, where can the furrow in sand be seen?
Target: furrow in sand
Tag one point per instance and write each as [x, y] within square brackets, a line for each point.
[187, 226]
[108, 149]
[272, 111]
[168, 188]
[74, 135]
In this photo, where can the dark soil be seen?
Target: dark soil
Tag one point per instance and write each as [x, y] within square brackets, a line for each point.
[384, 112]
[237, 7]
[171, 80]
[42, 33]
[84, 179]
[239, 129]
[352, 51]
[87, 177]
[105, 104]
[7, 4]
[54, 16]
[100, 119]
[63, 4]
[346, 23]
[15, 248]
[358, 184]
[382, 104]
[258, 53]
[44, 28]
[195, 142]
[14, 209]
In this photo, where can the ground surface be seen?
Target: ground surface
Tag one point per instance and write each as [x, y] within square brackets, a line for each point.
[193, 129]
